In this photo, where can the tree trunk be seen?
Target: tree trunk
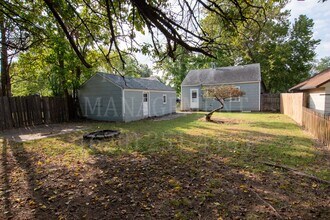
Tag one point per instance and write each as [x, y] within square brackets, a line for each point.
[77, 109]
[76, 82]
[63, 82]
[62, 72]
[5, 77]
[209, 115]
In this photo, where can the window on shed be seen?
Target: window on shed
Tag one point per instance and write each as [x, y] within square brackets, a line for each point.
[145, 97]
[164, 98]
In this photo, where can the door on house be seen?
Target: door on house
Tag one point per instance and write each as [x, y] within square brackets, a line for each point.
[145, 104]
[194, 102]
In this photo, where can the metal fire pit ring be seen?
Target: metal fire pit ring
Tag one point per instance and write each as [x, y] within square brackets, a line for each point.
[102, 134]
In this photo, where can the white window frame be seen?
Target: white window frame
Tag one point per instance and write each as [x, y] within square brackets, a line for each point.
[236, 99]
[165, 95]
[145, 93]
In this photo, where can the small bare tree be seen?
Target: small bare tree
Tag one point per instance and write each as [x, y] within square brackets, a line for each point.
[221, 93]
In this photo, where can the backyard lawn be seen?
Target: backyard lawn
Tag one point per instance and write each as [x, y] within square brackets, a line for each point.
[183, 168]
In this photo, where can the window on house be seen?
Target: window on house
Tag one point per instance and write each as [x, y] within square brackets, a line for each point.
[164, 98]
[194, 94]
[235, 99]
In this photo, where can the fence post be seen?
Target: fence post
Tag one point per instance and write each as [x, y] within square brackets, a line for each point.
[45, 103]
[13, 110]
[8, 117]
[38, 109]
[66, 108]
[305, 100]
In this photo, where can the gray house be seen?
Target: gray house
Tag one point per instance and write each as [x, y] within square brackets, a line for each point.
[247, 78]
[110, 97]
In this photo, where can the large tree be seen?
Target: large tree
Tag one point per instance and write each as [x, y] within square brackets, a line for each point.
[18, 33]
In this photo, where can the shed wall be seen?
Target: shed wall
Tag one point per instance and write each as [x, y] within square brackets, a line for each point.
[133, 105]
[101, 100]
[158, 107]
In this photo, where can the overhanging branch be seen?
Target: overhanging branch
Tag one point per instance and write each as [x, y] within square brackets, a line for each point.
[58, 18]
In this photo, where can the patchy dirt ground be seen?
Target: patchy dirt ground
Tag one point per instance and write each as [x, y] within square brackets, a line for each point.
[223, 120]
[51, 130]
[41, 131]
[171, 116]
[211, 180]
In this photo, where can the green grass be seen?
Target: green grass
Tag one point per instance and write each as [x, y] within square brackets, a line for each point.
[245, 140]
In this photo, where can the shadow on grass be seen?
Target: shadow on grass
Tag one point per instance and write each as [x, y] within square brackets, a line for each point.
[38, 188]
[160, 171]
[5, 181]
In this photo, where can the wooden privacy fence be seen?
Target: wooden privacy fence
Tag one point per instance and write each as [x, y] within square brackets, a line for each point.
[25, 111]
[270, 102]
[291, 105]
[317, 124]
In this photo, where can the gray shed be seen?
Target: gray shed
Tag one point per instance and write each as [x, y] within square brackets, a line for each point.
[110, 97]
[247, 78]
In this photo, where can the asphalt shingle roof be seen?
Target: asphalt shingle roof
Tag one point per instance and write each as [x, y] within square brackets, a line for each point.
[313, 82]
[224, 75]
[150, 83]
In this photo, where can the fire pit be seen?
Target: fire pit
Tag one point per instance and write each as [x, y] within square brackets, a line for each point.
[103, 134]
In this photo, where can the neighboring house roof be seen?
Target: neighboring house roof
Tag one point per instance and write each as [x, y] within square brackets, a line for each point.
[223, 75]
[150, 83]
[313, 82]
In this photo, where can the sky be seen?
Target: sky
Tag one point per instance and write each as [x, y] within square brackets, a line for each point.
[319, 12]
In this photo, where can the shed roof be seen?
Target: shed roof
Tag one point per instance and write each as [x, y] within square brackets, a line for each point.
[150, 83]
[313, 82]
[224, 75]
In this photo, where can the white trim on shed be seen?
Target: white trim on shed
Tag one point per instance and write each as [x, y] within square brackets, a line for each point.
[123, 101]
[259, 96]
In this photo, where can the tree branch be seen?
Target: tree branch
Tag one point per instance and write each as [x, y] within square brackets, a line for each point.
[58, 18]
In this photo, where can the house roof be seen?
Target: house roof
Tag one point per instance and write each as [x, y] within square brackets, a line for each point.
[150, 83]
[313, 82]
[223, 75]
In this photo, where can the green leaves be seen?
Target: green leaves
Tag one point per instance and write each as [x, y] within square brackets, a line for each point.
[322, 64]
[285, 51]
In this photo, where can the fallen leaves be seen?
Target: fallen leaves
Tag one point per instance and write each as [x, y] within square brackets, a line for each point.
[178, 181]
